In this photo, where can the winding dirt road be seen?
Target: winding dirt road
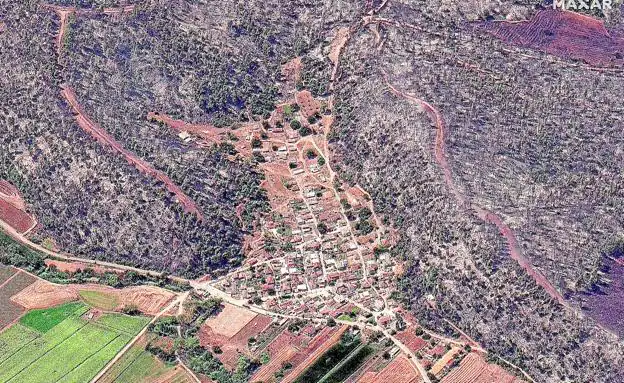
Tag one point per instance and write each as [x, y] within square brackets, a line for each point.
[105, 138]
[484, 214]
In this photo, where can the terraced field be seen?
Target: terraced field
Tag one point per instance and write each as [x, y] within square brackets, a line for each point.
[59, 345]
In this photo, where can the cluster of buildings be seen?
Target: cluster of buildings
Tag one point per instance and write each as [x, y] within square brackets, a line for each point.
[322, 240]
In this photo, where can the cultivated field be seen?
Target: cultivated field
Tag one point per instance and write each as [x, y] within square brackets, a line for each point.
[13, 208]
[230, 320]
[138, 365]
[400, 370]
[63, 345]
[13, 284]
[148, 299]
[474, 369]
[231, 330]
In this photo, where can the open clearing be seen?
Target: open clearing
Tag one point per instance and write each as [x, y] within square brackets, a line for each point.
[100, 299]
[68, 348]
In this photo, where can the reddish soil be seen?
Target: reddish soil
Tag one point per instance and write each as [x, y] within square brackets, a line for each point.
[209, 133]
[474, 369]
[266, 373]
[411, 340]
[276, 176]
[318, 346]
[149, 300]
[291, 71]
[309, 105]
[13, 209]
[487, 216]
[282, 349]
[21, 221]
[9, 193]
[256, 326]
[230, 320]
[231, 330]
[43, 294]
[400, 370]
[104, 138]
[564, 34]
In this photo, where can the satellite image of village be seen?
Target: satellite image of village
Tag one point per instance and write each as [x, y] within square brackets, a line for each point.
[311, 191]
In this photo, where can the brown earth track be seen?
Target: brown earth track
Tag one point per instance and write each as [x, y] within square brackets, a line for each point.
[483, 214]
[104, 138]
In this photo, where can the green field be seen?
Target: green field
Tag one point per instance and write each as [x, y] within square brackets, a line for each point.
[328, 361]
[44, 320]
[137, 365]
[72, 350]
[100, 300]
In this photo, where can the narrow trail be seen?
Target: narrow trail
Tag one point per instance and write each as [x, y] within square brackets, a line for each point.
[105, 138]
[484, 214]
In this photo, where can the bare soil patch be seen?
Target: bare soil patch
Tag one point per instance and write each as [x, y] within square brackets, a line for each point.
[149, 300]
[400, 370]
[309, 105]
[473, 368]
[230, 320]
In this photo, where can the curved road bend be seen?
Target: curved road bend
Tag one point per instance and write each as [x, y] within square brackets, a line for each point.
[484, 214]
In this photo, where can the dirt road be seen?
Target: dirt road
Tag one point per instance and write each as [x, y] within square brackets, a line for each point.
[484, 214]
[104, 138]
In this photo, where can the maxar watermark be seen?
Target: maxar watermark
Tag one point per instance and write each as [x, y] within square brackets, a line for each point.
[579, 5]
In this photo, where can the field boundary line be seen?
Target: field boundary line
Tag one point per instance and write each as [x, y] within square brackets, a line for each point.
[128, 346]
[113, 329]
[127, 367]
[10, 279]
[21, 347]
[342, 362]
[89, 357]
[47, 352]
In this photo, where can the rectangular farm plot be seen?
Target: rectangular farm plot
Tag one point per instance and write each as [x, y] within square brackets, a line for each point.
[44, 320]
[73, 350]
[139, 365]
[100, 299]
[230, 320]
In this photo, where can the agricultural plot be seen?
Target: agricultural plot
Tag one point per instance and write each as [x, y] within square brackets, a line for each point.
[11, 311]
[328, 361]
[44, 320]
[139, 365]
[100, 300]
[59, 345]
[6, 272]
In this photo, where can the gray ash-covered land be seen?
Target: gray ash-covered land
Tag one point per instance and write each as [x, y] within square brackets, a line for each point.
[534, 140]
[209, 62]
